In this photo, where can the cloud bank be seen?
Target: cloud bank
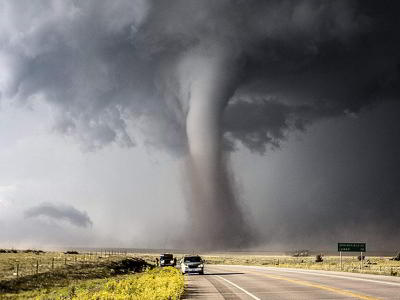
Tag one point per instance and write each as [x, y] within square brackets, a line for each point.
[60, 212]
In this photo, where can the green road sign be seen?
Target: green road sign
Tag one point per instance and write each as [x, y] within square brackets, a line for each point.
[352, 247]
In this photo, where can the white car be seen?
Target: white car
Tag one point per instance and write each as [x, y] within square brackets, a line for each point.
[192, 264]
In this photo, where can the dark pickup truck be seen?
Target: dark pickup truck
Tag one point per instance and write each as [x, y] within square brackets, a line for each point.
[167, 259]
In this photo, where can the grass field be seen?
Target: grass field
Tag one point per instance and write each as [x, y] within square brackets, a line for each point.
[28, 263]
[55, 275]
[371, 265]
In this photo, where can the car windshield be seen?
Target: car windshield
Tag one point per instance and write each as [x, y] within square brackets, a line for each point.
[166, 256]
[193, 259]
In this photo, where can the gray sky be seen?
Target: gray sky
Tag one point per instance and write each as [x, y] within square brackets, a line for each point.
[330, 183]
[130, 194]
[92, 120]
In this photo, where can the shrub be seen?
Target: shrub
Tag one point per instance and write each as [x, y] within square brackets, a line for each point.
[319, 258]
[156, 284]
[71, 252]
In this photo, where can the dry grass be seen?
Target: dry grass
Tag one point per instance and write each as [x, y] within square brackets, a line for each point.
[57, 270]
[371, 265]
[31, 263]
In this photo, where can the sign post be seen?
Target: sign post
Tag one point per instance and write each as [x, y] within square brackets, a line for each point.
[361, 261]
[352, 247]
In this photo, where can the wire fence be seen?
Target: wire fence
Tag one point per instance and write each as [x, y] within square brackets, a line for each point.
[19, 265]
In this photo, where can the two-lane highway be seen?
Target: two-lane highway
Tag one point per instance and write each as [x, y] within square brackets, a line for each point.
[249, 282]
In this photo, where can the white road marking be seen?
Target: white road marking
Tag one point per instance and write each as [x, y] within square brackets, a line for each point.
[321, 274]
[238, 287]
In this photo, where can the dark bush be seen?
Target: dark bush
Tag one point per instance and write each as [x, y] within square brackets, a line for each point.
[129, 265]
[71, 252]
[8, 251]
[33, 251]
[397, 257]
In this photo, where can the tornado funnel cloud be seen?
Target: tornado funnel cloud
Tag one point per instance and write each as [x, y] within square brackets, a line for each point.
[215, 215]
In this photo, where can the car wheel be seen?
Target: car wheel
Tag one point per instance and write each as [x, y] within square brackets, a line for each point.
[201, 273]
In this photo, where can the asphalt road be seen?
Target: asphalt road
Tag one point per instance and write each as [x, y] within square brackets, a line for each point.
[247, 282]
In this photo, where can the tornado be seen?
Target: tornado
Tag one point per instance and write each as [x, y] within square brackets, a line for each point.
[208, 77]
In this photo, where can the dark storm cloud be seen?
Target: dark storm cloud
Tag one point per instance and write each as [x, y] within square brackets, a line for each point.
[339, 183]
[300, 77]
[103, 64]
[60, 212]
[261, 122]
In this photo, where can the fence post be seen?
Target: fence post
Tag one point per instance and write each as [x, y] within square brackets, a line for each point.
[65, 261]
[37, 266]
[17, 270]
[52, 263]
